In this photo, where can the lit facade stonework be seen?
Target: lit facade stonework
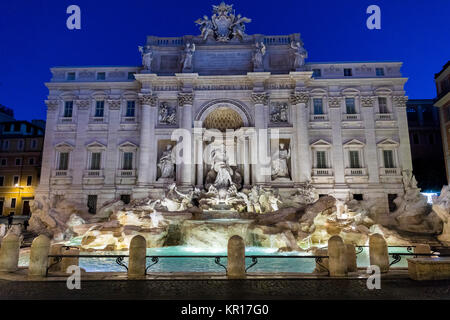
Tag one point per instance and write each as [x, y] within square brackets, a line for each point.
[108, 127]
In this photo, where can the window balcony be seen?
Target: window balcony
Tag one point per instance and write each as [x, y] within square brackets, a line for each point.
[351, 116]
[322, 172]
[61, 177]
[93, 177]
[319, 117]
[355, 171]
[384, 116]
[93, 173]
[98, 119]
[126, 176]
[66, 120]
[390, 172]
[128, 119]
[61, 173]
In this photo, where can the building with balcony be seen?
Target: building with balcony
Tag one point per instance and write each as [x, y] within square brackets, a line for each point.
[21, 145]
[442, 101]
[109, 128]
[425, 137]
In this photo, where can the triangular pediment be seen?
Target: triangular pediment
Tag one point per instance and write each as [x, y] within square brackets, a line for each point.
[64, 145]
[321, 143]
[96, 145]
[128, 144]
[388, 143]
[354, 143]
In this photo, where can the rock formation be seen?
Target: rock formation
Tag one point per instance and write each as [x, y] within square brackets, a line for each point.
[441, 206]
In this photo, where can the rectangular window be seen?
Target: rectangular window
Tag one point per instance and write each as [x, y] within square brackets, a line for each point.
[127, 161]
[18, 161]
[95, 160]
[130, 75]
[130, 109]
[347, 72]
[70, 75]
[350, 105]
[2, 181]
[13, 203]
[379, 72]
[4, 162]
[92, 203]
[31, 161]
[20, 144]
[318, 105]
[99, 108]
[354, 159]
[125, 198]
[29, 180]
[63, 161]
[5, 144]
[26, 208]
[101, 75]
[382, 105]
[388, 156]
[68, 109]
[33, 144]
[15, 180]
[317, 72]
[321, 159]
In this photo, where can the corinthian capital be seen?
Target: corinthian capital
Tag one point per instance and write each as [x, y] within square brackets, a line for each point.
[52, 105]
[185, 98]
[399, 101]
[334, 102]
[367, 101]
[114, 104]
[148, 99]
[299, 97]
[82, 104]
[260, 98]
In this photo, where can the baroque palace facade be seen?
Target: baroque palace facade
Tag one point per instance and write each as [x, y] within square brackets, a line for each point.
[110, 129]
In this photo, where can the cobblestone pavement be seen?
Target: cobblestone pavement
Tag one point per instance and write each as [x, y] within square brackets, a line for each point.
[273, 289]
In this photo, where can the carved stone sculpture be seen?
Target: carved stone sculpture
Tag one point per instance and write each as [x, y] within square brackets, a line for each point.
[167, 163]
[167, 114]
[441, 206]
[188, 57]
[147, 57]
[280, 160]
[258, 56]
[279, 113]
[300, 55]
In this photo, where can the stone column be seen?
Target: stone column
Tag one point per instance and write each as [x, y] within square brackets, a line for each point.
[334, 107]
[111, 148]
[337, 257]
[246, 157]
[350, 253]
[378, 252]
[40, 249]
[9, 253]
[259, 147]
[299, 99]
[147, 145]
[48, 153]
[399, 103]
[137, 262]
[78, 161]
[198, 134]
[236, 258]
[185, 101]
[370, 150]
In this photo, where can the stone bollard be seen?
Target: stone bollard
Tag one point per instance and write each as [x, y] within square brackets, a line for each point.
[378, 252]
[350, 253]
[40, 249]
[422, 248]
[337, 257]
[236, 258]
[9, 253]
[137, 262]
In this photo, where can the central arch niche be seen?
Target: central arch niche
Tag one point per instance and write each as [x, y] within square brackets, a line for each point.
[222, 118]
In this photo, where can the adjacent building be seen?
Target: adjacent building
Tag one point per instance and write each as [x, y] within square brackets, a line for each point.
[425, 137]
[109, 128]
[442, 80]
[21, 145]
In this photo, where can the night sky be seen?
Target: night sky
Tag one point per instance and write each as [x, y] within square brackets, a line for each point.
[34, 37]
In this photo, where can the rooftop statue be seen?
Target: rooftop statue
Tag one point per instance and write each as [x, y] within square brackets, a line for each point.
[223, 25]
[147, 57]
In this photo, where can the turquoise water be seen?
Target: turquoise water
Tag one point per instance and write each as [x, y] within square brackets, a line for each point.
[272, 265]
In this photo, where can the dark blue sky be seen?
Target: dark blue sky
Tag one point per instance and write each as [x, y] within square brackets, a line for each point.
[34, 37]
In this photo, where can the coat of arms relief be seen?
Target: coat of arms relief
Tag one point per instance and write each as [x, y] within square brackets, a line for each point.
[223, 25]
